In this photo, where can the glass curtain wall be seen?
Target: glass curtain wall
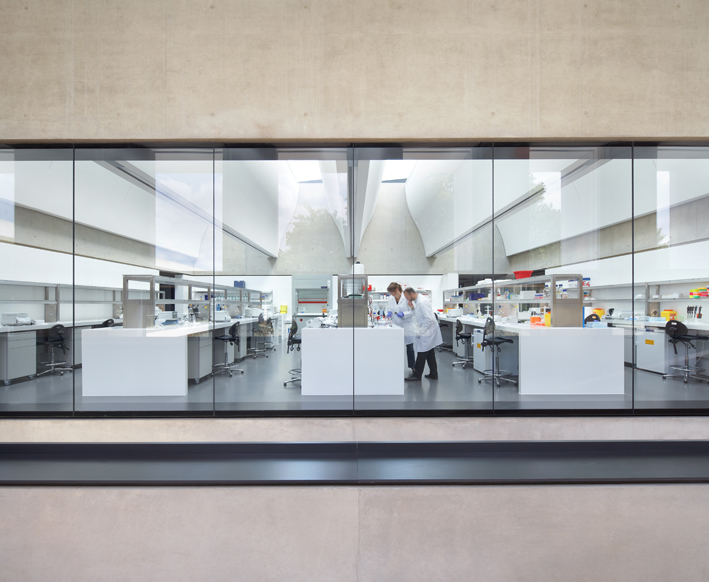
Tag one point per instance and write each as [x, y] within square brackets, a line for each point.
[282, 241]
[202, 281]
[144, 242]
[422, 230]
[562, 293]
[37, 333]
[671, 233]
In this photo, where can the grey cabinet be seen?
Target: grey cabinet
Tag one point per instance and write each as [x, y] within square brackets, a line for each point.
[18, 355]
[199, 356]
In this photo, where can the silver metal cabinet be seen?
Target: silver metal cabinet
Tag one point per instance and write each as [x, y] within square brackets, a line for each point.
[18, 355]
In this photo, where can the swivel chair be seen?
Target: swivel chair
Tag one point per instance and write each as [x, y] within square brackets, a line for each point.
[494, 342]
[467, 338]
[293, 343]
[260, 332]
[107, 323]
[233, 338]
[678, 332]
[55, 340]
[269, 328]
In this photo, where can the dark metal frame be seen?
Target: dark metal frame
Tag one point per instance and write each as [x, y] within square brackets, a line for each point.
[270, 151]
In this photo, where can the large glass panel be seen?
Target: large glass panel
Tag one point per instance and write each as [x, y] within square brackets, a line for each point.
[282, 239]
[422, 220]
[563, 295]
[36, 301]
[671, 232]
[144, 267]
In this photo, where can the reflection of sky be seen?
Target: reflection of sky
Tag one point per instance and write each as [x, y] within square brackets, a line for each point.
[7, 203]
[183, 237]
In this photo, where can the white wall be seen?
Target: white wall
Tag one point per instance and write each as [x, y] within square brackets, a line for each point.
[447, 198]
[595, 200]
[433, 283]
[281, 285]
[28, 264]
[250, 201]
[690, 261]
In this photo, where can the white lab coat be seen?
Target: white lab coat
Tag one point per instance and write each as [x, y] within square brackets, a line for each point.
[428, 334]
[407, 322]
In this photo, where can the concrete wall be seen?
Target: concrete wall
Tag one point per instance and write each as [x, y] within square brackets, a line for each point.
[496, 534]
[352, 429]
[353, 69]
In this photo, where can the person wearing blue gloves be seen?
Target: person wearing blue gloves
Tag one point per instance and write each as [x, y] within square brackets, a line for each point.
[402, 316]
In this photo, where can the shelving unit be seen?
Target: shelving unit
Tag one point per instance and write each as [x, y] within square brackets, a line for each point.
[56, 295]
[647, 289]
[383, 296]
[565, 311]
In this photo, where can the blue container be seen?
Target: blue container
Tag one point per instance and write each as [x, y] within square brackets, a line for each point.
[240, 284]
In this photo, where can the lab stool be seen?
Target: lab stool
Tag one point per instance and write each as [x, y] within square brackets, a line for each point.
[293, 344]
[678, 332]
[54, 340]
[233, 338]
[264, 329]
[494, 343]
[467, 340]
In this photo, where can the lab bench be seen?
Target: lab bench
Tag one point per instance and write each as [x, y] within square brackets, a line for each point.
[162, 359]
[20, 354]
[548, 360]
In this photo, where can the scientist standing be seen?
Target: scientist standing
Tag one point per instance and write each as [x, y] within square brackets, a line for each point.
[401, 315]
[428, 335]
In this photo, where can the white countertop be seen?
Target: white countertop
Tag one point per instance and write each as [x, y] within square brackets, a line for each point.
[511, 327]
[51, 324]
[660, 324]
[179, 330]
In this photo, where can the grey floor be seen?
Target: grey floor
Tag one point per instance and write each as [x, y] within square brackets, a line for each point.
[261, 388]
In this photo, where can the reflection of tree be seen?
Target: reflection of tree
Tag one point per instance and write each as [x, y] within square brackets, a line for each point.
[663, 240]
[312, 243]
[442, 209]
[544, 217]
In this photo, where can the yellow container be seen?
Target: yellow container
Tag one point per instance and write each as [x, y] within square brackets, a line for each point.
[547, 319]
[599, 312]
[668, 314]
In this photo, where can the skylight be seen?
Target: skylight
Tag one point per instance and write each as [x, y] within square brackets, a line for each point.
[398, 170]
[306, 170]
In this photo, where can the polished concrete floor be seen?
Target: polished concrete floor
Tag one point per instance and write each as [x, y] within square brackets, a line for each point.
[261, 389]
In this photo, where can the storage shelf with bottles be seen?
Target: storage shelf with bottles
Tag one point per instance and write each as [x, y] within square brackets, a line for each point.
[648, 295]
[562, 294]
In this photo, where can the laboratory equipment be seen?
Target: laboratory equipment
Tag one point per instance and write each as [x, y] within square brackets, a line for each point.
[167, 317]
[352, 302]
[16, 319]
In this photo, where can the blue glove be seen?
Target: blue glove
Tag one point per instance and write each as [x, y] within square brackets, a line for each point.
[389, 314]
[400, 314]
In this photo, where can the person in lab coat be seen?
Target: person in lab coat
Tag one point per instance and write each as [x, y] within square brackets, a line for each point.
[402, 316]
[428, 335]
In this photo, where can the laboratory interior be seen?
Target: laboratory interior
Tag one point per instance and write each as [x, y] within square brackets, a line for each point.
[254, 280]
